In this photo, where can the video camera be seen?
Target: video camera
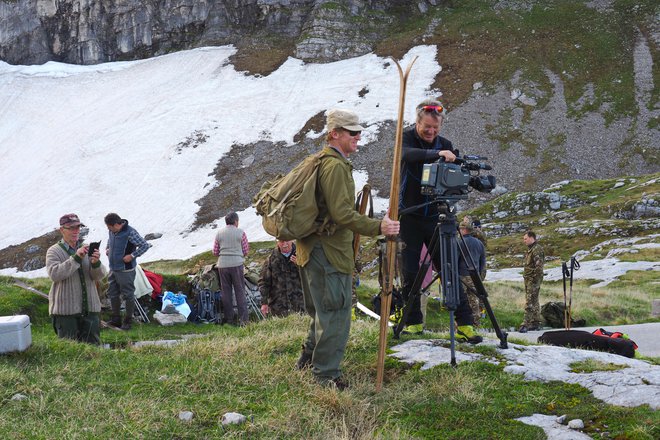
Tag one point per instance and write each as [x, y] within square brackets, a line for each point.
[453, 180]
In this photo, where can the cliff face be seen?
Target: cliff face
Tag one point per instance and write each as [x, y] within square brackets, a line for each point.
[95, 31]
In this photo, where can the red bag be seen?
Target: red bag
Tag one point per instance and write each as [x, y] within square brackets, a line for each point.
[156, 282]
[603, 332]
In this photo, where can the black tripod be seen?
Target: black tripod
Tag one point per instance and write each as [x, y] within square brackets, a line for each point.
[444, 237]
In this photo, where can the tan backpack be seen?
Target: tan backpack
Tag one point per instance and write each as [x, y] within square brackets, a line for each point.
[288, 203]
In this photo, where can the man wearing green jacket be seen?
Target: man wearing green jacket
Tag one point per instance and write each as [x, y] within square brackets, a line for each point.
[326, 260]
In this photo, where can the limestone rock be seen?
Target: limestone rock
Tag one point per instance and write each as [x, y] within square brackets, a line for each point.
[186, 416]
[169, 319]
[232, 418]
[576, 424]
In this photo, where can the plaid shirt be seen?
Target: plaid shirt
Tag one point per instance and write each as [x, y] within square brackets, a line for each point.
[141, 245]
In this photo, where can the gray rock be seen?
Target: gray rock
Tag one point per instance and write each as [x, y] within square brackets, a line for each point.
[232, 418]
[19, 396]
[32, 249]
[153, 236]
[248, 161]
[553, 430]
[576, 424]
[561, 419]
[186, 416]
[166, 320]
[527, 100]
[33, 264]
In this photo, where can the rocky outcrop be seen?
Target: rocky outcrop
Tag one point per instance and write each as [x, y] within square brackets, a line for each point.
[95, 31]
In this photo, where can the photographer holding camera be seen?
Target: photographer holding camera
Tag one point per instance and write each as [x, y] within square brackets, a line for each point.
[422, 144]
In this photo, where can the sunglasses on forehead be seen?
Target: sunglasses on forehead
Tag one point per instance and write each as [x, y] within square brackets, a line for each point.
[433, 108]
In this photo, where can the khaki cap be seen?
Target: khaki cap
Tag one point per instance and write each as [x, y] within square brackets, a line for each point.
[337, 118]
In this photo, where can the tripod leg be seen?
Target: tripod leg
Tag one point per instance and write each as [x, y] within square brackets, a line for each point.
[452, 339]
[415, 289]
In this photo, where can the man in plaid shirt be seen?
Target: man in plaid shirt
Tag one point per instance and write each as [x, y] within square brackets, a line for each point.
[124, 246]
[231, 246]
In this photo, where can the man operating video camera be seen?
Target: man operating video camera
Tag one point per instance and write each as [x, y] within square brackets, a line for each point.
[422, 144]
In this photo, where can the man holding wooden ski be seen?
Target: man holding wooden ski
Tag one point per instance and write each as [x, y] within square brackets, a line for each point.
[422, 144]
[326, 260]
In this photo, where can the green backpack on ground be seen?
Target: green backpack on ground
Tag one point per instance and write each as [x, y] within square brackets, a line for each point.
[287, 203]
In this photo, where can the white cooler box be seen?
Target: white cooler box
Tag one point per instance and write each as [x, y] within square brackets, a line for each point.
[15, 333]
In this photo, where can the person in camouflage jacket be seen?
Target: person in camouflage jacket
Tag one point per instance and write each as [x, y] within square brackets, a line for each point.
[279, 282]
[533, 276]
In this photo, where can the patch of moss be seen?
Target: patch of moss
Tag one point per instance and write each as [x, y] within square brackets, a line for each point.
[593, 365]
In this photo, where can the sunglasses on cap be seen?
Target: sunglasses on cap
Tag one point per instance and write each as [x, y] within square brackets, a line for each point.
[433, 108]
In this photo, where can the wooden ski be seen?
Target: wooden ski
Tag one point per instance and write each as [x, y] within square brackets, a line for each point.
[386, 294]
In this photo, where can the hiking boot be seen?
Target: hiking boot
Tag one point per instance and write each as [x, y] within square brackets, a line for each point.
[338, 382]
[304, 361]
[413, 329]
[128, 317]
[396, 316]
[115, 318]
[466, 333]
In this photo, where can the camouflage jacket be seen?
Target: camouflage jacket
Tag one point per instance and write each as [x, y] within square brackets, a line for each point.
[533, 268]
[279, 284]
[481, 235]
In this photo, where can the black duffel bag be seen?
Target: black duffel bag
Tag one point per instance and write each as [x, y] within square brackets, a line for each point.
[589, 341]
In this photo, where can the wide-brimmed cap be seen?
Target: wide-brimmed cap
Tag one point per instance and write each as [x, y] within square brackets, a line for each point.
[70, 220]
[338, 118]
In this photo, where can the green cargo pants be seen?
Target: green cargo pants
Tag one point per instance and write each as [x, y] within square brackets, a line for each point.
[532, 309]
[327, 294]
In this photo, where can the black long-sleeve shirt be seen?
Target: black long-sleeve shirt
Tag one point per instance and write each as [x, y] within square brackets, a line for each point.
[415, 153]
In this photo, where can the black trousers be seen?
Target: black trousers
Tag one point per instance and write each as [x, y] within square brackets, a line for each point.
[416, 231]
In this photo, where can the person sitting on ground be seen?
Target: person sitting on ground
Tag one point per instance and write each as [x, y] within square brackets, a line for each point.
[73, 301]
[279, 282]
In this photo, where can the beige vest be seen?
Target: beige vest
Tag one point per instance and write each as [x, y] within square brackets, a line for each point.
[231, 251]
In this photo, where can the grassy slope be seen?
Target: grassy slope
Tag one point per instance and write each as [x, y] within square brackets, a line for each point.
[75, 390]
[80, 391]
[598, 201]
